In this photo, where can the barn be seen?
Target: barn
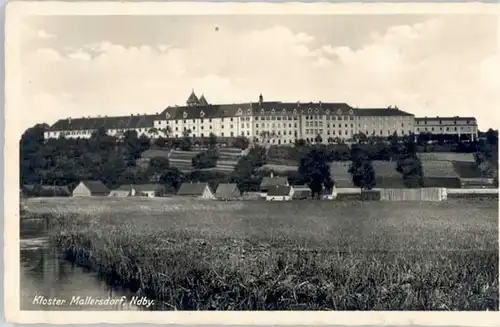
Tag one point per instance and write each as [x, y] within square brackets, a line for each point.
[268, 182]
[196, 190]
[90, 188]
[279, 193]
[227, 191]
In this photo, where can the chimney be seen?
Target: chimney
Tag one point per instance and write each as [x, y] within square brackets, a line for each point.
[69, 120]
[261, 99]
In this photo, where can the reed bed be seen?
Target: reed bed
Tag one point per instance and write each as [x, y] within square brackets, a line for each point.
[310, 255]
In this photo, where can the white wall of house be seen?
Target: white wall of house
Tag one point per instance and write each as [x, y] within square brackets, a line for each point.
[81, 190]
[207, 194]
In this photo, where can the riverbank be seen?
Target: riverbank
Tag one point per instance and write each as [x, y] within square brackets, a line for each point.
[309, 255]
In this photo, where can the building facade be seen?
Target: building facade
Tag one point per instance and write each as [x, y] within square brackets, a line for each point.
[273, 122]
[447, 125]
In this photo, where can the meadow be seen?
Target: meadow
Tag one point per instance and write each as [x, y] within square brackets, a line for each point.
[303, 255]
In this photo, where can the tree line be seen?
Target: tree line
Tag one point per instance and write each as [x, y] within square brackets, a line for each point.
[114, 161]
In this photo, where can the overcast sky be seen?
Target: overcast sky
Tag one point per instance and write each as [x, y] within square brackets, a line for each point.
[74, 66]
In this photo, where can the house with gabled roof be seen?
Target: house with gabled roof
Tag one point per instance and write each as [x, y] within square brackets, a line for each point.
[196, 190]
[90, 188]
[121, 192]
[227, 191]
[301, 192]
[148, 190]
[271, 181]
[279, 193]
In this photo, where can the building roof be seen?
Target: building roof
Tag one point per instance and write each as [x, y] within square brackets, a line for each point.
[120, 122]
[95, 186]
[227, 190]
[193, 99]
[148, 187]
[273, 181]
[301, 193]
[378, 112]
[202, 101]
[119, 193]
[192, 188]
[279, 190]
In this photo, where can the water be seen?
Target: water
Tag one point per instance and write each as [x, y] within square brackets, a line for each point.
[45, 276]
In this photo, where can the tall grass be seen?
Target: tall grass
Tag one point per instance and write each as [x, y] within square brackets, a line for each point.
[281, 256]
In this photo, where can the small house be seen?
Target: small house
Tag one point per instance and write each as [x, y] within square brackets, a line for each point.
[268, 182]
[122, 192]
[329, 194]
[196, 190]
[227, 191]
[301, 192]
[148, 190]
[90, 188]
[279, 193]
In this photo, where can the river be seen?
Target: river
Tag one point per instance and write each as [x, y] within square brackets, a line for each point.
[45, 275]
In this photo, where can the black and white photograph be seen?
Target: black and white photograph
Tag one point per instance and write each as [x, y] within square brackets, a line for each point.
[296, 159]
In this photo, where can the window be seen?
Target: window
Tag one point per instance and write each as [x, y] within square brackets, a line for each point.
[222, 126]
[194, 121]
[222, 134]
[256, 125]
[231, 126]
[231, 118]
[242, 125]
[222, 119]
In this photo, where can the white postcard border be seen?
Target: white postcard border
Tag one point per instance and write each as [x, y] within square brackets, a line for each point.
[15, 10]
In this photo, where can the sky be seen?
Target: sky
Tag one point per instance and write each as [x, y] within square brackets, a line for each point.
[429, 65]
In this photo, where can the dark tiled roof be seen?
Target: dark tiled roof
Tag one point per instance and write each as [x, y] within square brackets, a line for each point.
[264, 109]
[209, 111]
[121, 122]
[279, 190]
[273, 181]
[380, 112]
[203, 101]
[192, 188]
[298, 108]
[148, 187]
[227, 191]
[301, 193]
[193, 99]
[96, 186]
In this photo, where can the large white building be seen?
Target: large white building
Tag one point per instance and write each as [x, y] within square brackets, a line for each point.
[270, 121]
[447, 125]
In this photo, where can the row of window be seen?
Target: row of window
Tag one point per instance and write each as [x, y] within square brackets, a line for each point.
[431, 129]
[440, 122]
[276, 118]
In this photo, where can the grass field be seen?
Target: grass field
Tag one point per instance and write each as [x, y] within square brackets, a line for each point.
[315, 255]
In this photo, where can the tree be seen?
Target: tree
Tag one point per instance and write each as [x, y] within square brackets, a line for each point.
[212, 141]
[186, 143]
[172, 178]
[205, 159]
[318, 139]
[241, 142]
[315, 170]
[361, 169]
[409, 165]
